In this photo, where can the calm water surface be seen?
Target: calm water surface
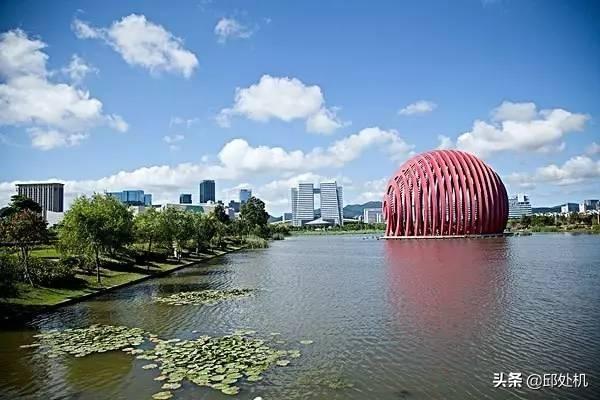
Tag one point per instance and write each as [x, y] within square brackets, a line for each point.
[396, 319]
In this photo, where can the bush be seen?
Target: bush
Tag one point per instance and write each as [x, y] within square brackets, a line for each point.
[50, 273]
[255, 242]
[9, 272]
[278, 236]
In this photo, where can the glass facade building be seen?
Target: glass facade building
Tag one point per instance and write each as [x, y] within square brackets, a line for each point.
[185, 198]
[132, 197]
[245, 195]
[207, 191]
[50, 196]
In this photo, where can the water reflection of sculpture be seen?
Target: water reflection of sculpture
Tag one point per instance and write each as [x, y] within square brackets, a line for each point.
[445, 192]
[448, 288]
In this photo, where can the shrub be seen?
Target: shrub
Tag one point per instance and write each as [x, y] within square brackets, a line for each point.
[255, 242]
[277, 236]
[9, 272]
[51, 273]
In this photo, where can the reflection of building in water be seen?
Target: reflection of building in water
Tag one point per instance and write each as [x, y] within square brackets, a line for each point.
[449, 288]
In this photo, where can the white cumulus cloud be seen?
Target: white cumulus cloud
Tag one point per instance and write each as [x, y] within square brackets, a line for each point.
[78, 69]
[575, 170]
[418, 107]
[55, 114]
[286, 99]
[593, 149]
[230, 28]
[521, 127]
[143, 43]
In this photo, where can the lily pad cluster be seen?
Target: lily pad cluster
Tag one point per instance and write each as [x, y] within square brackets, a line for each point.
[209, 296]
[93, 339]
[216, 362]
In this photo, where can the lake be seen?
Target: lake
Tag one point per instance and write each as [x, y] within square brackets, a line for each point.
[413, 319]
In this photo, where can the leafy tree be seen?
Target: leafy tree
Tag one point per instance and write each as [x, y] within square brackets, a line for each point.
[204, 227]
[24, 228]
[94, 226]
[20, 203]
[175, 228]
[147, 227]
[220, 214]
[255, 217]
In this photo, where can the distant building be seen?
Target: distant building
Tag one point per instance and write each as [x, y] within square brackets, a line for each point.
[50, 196]
[287, 216]
[331, 202]
[569, 208]
[185, 207]
[519, 206]
[372, 216]
[235, 205]
[207, 191]
[303, 203]
[185, 198]
[589, 205]
[132, 197]
[245, 195]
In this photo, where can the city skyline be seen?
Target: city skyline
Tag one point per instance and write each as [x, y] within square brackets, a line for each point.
[389, 81]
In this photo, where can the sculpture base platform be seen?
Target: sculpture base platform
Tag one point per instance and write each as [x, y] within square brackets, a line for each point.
[486, 236]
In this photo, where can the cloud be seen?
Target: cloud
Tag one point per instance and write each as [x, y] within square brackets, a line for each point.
[445, 142]
[55, 114]
[593, 149]
[575, 170]
[418, 107]
[239, 161]
[519, 127]
[229, 28]
[175, 121]
[286, 99]
[238, 154]
[142, 43]
[173, 140]
[372, 190]
[78, 69]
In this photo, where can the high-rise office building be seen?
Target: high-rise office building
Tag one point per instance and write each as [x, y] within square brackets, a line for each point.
[303, 204]
[50, 196]
[185, 198]
[207, 191]
[519, 206]
[331, 203]
[132, 197]
[245, 195]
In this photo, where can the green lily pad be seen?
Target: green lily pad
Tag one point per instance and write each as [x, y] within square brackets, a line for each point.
[306, 342]
[162, 396]
[171, 386]
[283, 363]
[149, 366]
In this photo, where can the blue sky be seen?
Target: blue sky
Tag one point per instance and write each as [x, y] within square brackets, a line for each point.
[116, 95]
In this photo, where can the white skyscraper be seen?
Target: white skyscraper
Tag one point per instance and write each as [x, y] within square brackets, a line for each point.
[331, 202]
[303, 199]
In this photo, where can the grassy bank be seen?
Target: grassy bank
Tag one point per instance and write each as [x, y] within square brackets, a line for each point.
[26, 300]
[377, 232]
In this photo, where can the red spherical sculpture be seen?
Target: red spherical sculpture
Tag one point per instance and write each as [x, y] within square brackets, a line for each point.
[445, 192]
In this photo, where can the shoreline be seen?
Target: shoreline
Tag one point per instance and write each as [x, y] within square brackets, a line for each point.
[17, 311]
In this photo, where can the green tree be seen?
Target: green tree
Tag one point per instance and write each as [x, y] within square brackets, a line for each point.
[24, 228]
[255, 217]
[175, 228]
[220, 214]
[147, 227]
[203, 230]
[20, 203]
[94, 226]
